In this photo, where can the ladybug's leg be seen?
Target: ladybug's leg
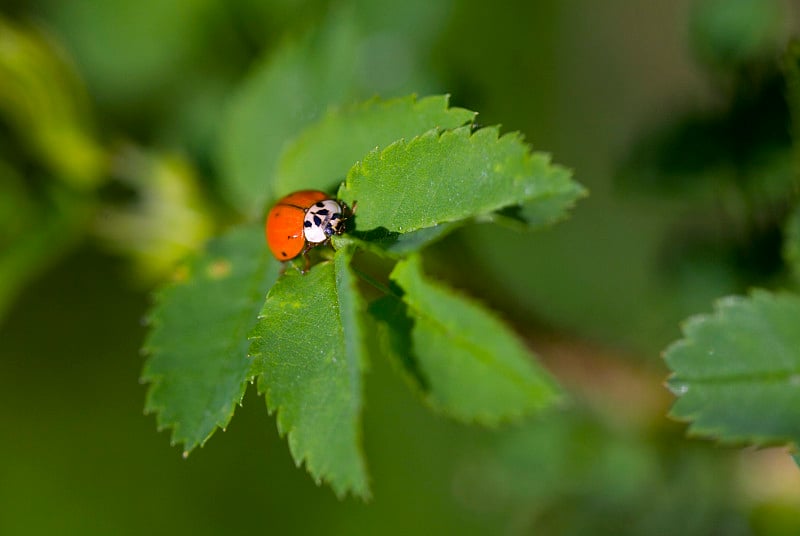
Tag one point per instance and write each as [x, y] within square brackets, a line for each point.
[304, 254]
[348, 212]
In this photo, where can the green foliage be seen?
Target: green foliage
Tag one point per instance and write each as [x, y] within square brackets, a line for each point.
[536, 459]
[285, 93]
[197, 365]
[130, 49]
[309, 342]
[561, 472]
[43, 99]
[729, 32]
[736, 372]
[466, 361]
[321, 156]
[309, 354]
[449, 176]
[33, 231]
[167, 221]
[218, 96]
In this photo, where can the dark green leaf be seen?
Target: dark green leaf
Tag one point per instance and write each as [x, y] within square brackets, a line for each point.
[321, 156]
[198, 366]
[473, 366]
[449, 176]
[737, 372]
[309, 355]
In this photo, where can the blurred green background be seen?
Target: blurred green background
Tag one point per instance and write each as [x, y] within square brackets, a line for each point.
[115, 152]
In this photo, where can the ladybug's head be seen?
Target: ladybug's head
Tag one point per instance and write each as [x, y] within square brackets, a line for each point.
[335, 225]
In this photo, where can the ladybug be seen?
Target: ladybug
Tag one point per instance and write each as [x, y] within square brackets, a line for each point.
[302, 220]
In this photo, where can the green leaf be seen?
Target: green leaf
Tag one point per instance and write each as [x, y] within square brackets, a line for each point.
[321, 156]
[472, 366]
[737, 371]
[541, 211]
[309, 355]
[449, 176]
[544, 211]
[284, 94]
[198, 366]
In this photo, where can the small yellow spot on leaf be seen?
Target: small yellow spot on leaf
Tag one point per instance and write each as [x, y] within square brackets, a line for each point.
[219, 269]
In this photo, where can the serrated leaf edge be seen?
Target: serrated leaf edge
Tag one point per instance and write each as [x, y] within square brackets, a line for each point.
[484, 419]
[720, 435]
[472, 134]
[154, 380]
[300, 457]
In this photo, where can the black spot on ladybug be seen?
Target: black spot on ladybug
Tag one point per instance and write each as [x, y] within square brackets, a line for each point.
[320, 204]
[317, 220]
[283, 254]
[306, 223]
[323, 212]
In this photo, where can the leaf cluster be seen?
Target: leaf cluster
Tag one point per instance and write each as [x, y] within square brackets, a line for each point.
[417, 169]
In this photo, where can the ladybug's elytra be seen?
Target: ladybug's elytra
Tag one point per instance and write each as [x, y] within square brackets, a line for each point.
[302, 220]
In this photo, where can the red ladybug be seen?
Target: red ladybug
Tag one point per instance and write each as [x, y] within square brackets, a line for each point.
[302, 220]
